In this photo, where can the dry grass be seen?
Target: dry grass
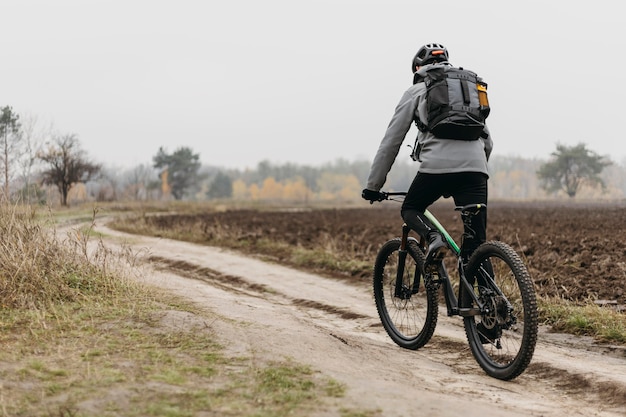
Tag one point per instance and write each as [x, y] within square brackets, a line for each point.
[38, 268]
[603, 323]
[80, 337]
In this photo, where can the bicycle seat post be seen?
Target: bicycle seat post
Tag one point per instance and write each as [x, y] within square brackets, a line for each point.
[468, 213]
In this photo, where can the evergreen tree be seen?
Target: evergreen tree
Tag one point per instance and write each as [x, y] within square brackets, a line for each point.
[182, 169]
[221, 187]
[9, 142]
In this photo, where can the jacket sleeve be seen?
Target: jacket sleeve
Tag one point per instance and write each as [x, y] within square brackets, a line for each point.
[394, 136]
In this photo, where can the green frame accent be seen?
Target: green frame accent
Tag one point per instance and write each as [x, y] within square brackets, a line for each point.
[443, 231]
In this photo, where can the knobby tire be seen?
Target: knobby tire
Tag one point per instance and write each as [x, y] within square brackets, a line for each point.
[503, 338]
[410, 319]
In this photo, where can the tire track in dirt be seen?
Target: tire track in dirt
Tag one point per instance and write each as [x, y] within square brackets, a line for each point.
[571, 384]
[340, 321]
[236, 283]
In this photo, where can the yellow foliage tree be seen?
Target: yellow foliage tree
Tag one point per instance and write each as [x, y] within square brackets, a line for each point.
[271, 189]
[166, 189]
[255, 192]
[351, 189]
[296, 190]
[240, 190]
[332, 186]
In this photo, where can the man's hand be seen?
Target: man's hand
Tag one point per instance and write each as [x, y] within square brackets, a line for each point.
[372, 196]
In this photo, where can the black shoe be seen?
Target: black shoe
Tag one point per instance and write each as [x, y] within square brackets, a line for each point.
[436, 248]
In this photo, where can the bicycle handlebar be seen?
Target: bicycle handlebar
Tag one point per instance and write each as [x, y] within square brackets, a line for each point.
[469, 208]
[384, 195]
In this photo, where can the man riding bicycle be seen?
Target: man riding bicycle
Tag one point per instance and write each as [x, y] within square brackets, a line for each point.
[448, 167]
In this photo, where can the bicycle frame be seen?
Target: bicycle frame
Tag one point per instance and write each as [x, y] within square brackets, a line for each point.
[452, 300]
[443, 232]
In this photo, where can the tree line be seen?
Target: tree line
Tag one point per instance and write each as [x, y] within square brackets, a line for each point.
[39, 165]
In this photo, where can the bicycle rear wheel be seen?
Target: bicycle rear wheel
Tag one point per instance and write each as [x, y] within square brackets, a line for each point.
[503, 337]
[409, 313]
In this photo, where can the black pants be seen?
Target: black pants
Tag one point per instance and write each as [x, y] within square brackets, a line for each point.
[464, 187]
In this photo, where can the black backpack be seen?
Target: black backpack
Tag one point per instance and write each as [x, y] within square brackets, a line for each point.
[457, 103]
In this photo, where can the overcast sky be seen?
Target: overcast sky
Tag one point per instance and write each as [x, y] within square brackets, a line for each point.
[306, 82]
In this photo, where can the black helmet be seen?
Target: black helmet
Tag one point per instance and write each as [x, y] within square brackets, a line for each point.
[429, 53]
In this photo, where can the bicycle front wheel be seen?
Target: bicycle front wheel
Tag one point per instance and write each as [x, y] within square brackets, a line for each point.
[407, 305]
[503, 336]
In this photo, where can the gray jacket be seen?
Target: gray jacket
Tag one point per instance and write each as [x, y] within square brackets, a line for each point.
[436, 156]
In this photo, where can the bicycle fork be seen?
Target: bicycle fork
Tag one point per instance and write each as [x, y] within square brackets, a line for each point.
[401, 291]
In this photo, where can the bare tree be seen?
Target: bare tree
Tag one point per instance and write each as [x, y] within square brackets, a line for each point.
[33, 137]
[10, 136]
[67, 165]
[138, 181]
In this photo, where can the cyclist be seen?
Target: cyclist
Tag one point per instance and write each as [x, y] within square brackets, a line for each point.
[448, 168]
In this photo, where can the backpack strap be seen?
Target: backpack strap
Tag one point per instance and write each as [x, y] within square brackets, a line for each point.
[466, 93]
[417, 78]
[420, 126]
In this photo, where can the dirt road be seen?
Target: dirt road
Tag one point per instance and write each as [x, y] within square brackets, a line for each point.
[269, 312]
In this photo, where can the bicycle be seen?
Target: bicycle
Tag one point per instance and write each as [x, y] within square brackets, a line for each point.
[496, 296]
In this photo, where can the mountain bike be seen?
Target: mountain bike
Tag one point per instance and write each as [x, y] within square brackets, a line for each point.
[495, 296]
